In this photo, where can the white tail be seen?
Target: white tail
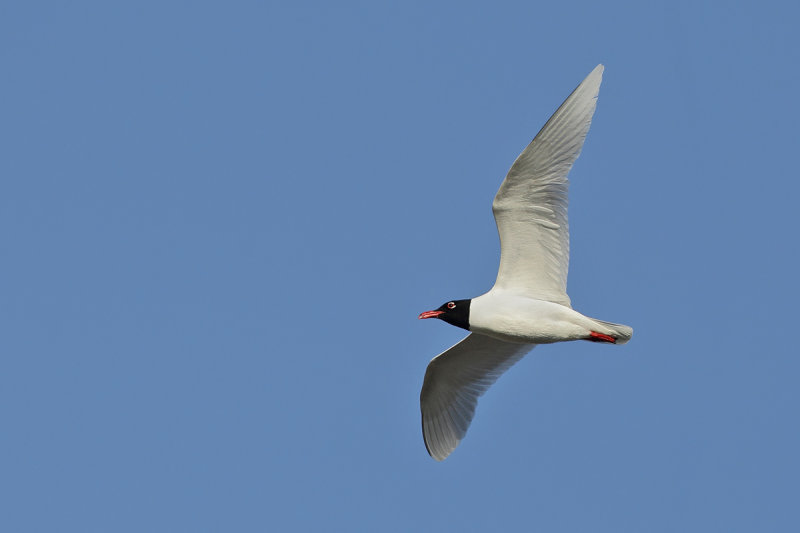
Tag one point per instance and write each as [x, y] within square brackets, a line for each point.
[620, 332]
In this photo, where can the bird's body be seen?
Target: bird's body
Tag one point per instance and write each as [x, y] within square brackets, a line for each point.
[508, 317]
[528, 304]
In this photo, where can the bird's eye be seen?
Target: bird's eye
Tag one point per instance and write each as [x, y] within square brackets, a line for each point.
[451, 305]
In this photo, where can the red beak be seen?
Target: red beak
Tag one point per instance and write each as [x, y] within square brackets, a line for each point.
[430, 314]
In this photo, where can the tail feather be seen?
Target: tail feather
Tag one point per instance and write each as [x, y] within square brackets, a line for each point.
[620, 332]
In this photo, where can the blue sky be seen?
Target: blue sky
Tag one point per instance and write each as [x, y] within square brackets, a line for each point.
[219, 222]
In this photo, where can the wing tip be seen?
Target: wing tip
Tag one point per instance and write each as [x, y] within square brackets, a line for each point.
[438, 455]
[595, 77]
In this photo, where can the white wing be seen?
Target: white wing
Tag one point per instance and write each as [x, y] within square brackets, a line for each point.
[531, 206]
[454, 381]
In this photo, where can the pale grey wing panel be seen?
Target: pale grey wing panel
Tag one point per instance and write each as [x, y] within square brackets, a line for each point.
[531, 206]
[454, 381]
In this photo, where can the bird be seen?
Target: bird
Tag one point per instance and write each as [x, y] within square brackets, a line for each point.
[528, 304]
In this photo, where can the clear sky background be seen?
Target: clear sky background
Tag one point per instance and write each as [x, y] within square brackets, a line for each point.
[219, 222]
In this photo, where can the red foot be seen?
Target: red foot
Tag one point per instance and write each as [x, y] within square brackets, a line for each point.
[599, 337]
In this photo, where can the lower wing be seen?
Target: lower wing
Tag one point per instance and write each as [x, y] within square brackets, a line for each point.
[454, 381]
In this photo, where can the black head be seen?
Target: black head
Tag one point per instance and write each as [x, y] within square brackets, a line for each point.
[455, 312]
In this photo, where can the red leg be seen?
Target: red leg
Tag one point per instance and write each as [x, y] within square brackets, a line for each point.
[599, 337]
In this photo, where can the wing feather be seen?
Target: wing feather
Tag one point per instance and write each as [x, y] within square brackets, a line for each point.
[530, 208]
[454, 381]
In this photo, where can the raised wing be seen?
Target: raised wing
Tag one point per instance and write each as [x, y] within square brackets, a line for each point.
[531, 206]
[453, 383]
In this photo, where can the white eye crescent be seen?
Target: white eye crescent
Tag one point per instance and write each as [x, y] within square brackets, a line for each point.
[451, 305]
